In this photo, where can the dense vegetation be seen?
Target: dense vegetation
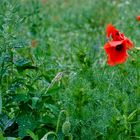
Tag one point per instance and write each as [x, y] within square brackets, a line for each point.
[54, 80]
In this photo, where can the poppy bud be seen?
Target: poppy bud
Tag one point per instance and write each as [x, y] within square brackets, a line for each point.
[66, 128]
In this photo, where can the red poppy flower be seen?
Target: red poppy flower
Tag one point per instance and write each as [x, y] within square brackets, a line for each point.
[138, 18]
[116, 51]
[117, 46]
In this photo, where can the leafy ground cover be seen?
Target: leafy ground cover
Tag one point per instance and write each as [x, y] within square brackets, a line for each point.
[54, 79]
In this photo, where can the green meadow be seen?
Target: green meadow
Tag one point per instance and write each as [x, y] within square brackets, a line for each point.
[55, 83]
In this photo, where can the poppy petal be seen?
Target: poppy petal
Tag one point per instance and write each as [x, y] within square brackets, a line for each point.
[114, 33]
[138, 18]
[115, 57]
[110, 29]
[129, 43]
[115, 43]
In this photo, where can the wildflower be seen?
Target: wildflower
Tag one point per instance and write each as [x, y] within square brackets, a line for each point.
[116, 51]
[117, 46]
[138, 18]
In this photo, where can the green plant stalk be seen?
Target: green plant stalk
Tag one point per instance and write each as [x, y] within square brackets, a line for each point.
[59, 118]
[49, 133]
[56, 78]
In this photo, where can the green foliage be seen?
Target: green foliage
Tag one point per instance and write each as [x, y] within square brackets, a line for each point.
[0, 104]
[54, 80]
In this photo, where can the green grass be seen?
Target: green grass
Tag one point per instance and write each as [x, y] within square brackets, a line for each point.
[62, 86]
